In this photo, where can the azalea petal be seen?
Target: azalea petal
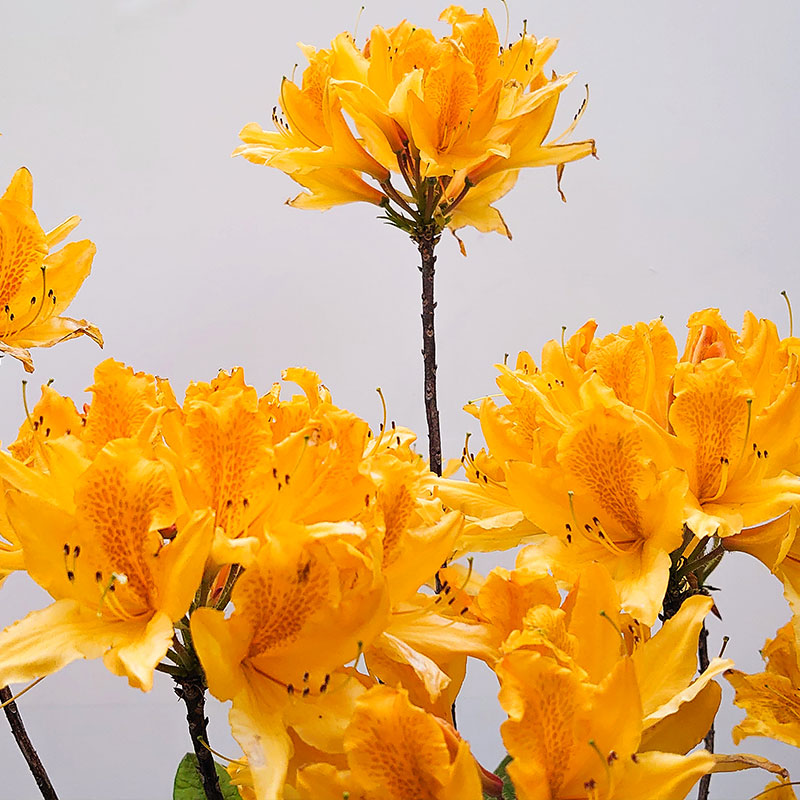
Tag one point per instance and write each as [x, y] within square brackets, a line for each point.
[46, 640]
[666, 663]
[663, 776]
[137, 658]
[688, 726]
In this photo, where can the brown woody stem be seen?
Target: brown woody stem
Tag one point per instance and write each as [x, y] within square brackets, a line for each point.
[703, 661]
[192, 691]
[426, 238]
[26, 746]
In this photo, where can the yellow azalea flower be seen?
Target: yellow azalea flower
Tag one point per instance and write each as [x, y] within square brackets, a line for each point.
[677, 707]
[598, 708]
[446, 114]
[307, 605]
[572, 739]
[735, 410]
[771, 698]
[91, 531]
[610, 494]
[37, 285]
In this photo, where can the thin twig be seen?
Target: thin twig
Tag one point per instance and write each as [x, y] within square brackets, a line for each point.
[702, 657]
[26, 747]
[192, 691]
[427, 238]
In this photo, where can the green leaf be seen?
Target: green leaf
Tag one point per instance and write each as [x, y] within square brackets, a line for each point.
[189, 786]
[509, 793]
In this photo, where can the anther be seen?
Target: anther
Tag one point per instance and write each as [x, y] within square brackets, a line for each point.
[70, 575]
[286, 479]
[306, 691]
[98, 576]
[305, 677]
[612, 757]
[245, 502]
[275, 472]
[634, 758]
[66, 549]
[290, 689]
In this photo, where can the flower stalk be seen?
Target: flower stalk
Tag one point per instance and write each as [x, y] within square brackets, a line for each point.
[192, 690]
[426, 238]
[26, 746]
[704, 785]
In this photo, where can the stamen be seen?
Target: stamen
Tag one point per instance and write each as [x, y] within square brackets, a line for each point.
[220, 755]
[34, 427]
[41, 305]
[358, 19]
[789, 306]
[508, 24]
[616, 628]
[747, 429]
[723, 478]
[575, 120]
[379, 440]
[606, 764]
[22, 691]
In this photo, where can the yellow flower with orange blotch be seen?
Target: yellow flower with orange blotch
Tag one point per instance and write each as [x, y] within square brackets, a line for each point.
[103, 536]
[36, 283]
[306, 606]
[597, 707]
[736, 411]
[455, 118]
[606, 492]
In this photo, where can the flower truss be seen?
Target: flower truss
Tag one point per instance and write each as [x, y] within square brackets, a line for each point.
[455, 118]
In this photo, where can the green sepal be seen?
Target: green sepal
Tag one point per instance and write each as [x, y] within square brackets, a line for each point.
[509, 793]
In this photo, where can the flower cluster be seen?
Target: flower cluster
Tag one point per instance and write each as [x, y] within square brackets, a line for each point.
[456, 118]
[615, 445]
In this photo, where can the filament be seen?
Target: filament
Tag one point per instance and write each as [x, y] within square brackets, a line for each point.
[789, 306]
[22, 692]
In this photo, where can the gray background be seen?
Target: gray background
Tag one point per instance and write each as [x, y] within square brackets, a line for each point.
[126, 112]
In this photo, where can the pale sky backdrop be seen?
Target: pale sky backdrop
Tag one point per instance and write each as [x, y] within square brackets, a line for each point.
[126, 112]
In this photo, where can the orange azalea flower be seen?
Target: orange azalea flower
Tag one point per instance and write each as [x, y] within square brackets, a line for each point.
[445, 114]
[36, 285]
